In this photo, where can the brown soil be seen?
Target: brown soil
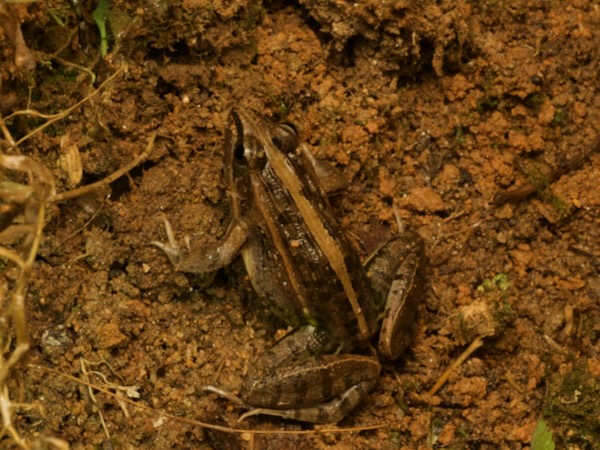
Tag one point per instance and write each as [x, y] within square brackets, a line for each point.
[434, 106]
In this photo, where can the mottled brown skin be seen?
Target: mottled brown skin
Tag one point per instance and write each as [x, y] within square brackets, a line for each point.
[302, 265]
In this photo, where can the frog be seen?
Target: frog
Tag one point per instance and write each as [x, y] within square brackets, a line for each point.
[303, 266]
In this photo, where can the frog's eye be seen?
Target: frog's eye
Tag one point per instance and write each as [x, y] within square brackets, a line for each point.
[249, 153]
[241, 154]
[285, 137]
[234, 137]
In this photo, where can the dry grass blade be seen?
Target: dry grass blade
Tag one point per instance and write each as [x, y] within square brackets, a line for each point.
[532, 187]
[19, 243]
[30, 201]
[211, 426]
[109, 179]
[478, 342]
[58, 116]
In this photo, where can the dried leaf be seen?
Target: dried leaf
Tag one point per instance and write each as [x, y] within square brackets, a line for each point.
[70, 161]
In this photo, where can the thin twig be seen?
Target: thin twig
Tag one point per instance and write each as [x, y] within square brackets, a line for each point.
[205, 424]
[478, 342]
[516, 194]
[6, 133]
[105, 181]
[91, 393]
[58, 116]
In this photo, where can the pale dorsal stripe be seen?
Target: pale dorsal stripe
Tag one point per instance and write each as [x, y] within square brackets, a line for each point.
[282, 250]
[325, 241]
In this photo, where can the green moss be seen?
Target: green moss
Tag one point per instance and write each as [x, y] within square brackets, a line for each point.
[540, 180]
[498, 282]
[253, 15]
[559, 118]
[459, 135]
[534, 101]
[572, 407]
[488, 104]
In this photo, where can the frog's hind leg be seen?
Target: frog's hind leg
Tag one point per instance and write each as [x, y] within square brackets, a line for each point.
[302, 378]
[328, 412]
[396, 273]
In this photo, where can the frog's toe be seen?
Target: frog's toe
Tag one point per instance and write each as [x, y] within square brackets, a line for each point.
[170, 234]
[226, 394]
[171, 248]
[172, 252]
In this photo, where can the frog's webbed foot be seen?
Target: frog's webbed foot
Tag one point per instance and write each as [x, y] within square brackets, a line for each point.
[203, 260]
[226, 394]
[171, 248]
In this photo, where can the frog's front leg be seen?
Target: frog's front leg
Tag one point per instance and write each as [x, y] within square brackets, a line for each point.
[295, 380]
[202, 260]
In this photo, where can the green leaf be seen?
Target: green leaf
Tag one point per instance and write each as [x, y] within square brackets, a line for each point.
[542, 437]
[99, 16]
